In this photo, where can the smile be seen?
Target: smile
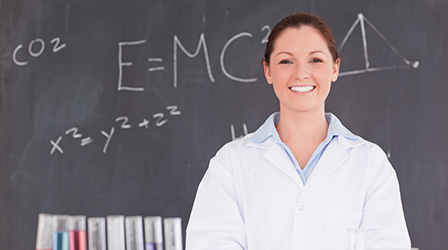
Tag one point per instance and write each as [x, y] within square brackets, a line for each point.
[302, 89]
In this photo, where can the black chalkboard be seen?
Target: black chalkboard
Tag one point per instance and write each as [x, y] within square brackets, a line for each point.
[116, 107]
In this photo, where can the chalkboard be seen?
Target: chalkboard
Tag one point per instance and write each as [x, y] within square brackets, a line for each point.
[115, 107]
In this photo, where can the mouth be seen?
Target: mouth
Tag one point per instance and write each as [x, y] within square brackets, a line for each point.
[302, 89]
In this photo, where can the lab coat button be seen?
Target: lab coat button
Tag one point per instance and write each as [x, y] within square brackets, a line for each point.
[301, 208]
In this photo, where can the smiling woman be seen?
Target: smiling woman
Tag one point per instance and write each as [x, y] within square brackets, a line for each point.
[301, 70]
[302, 180]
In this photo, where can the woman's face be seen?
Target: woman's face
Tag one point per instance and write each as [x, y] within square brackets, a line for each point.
[301, 70]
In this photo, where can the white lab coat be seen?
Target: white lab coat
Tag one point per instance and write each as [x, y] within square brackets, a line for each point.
[252, 198]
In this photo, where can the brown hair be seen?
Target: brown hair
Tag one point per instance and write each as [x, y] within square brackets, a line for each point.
[296, 20]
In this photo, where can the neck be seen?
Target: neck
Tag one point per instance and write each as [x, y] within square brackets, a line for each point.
[302, 127]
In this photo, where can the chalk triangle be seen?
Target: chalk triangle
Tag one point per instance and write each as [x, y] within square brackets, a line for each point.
[373, 52]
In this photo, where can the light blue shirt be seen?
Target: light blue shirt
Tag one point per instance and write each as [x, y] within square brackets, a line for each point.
[335, 128]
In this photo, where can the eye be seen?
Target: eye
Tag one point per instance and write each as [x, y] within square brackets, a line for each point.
[315, 60]
[285, 61]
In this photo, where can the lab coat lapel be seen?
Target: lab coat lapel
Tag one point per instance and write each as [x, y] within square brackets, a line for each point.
[330, 160]
[276, 155]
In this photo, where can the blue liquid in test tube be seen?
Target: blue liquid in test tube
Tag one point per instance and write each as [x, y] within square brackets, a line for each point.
[60, 232]
[150, 246]
[153, 233]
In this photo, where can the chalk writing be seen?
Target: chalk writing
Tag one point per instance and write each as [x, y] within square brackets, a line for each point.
[361, 20]
[222, 59]
[86, 141]
[268, 29]
[179, 47]
[122, 64]
[55, 146]
[201, 43]
[74, 132]
[144, 123]
[173, 110]
[108, 136]
[160, 121]
[35, 48]
[123, 122]
[155, 68]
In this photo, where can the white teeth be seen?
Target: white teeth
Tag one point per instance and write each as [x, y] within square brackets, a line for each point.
[302, 89]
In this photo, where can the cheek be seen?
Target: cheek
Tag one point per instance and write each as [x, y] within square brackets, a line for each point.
[324, 75]
[280, 75]
[277, 87]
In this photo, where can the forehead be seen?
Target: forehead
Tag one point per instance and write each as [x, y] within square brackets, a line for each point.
[302, 38]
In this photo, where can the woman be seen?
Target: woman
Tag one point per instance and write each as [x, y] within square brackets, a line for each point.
[302, 180]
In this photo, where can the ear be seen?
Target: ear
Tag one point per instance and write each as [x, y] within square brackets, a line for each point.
[267, 72]
[335, 74]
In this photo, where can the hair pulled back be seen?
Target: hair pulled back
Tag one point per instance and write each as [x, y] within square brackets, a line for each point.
[296, 20]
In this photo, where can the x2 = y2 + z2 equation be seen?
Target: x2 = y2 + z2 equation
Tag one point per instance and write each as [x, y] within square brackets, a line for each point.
[74, 133]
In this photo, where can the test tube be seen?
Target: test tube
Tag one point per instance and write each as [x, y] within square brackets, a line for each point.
[44, 238]
[153, 233]
[115, 232]
[173, 233]
[134, 233]
[77, 232]
[97, 233]
[60, 232]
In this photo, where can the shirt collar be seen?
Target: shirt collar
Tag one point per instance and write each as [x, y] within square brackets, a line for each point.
[268, 129]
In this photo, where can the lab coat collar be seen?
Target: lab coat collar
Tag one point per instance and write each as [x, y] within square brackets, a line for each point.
[333, 157]
[267, 137]
[267, 130]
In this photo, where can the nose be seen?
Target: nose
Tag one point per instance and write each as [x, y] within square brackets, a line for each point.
[302, 71]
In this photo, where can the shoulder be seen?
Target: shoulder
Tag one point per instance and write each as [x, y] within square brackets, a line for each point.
[361, 145]
[237, 146]
[347, 139]
[360, 150]
[240, 152]
[368, 157]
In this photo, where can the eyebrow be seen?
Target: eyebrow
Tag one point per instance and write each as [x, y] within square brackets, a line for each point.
[279, 53]
[316, 51]
[311, 53]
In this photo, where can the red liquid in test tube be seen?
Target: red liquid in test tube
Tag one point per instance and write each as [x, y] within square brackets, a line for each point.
[77, 233]
[77, 240]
